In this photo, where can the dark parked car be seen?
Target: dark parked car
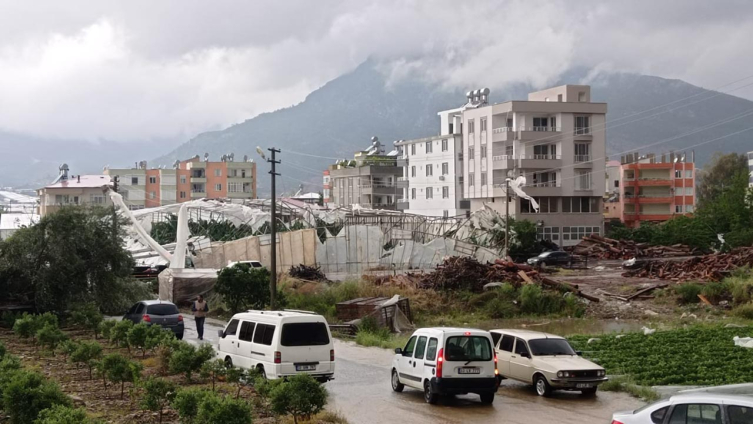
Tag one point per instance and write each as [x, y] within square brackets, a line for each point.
[157, 312]
[556, 258]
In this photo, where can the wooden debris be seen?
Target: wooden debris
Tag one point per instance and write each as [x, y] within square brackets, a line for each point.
[308, 273]
[704, 300]
[525, 277]
[595, 246]
[712, 267]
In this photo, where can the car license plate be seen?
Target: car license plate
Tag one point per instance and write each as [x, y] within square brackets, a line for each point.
[305, 367]
[583, 386]
[469, 370]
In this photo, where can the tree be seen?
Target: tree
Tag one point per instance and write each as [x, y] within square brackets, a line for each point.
[119, 369]
[50, 336]
[105, 327]
[156, 337]
[88, 316]
[119, 334]
[138, 335]
[187, 359]
[523, 238]
[300, 396]
[28, 325]
[243, 287]
[67, 347]
[717, 174]
[223, 410]
[158, 393]
[60, 414]
[187, 402]
[28, 393]
[236, 376]
[731, 212]
[87, 353]
[213, 370]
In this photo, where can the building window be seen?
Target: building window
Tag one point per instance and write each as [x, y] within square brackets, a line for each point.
[616, 183]
[429, 170]
[471, 126]
[471, 155]
[444, 145]
[218, 187]
[688, 173]
[152, 180]
[134, 180]
[582, 179]
[234, 187]
[483, 124]
[413, 171]
[428, 147]
[413, 193]
[483, 178]
[470, 179]
[580, 205]
[582, 125]
[217, 172]
[182, 179]
[445, 192]
[688, 208]
[678, 173]
[678, 208]
[413, 149]
[429, 193]
[152, 195]
[545, 151]
[577, 233]
[445, 214]
[96, 199]
[581, 96]
[483, 152]
[445, 168]
[582, 152]
[548, 233]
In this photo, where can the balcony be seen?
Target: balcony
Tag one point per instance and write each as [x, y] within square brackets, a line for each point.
[402, 162]
[503, 134]
[198, 179]
[402, 204]
[195, 194]
[654, 181]
[585, 160]
[540, 161]
[539, 133]
[503, 162]
[379, 188]
[240, 195]
[402, 182]
[546, 188]
[582, 132]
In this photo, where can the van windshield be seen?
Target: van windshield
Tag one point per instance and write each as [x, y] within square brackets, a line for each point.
[468, 348]
[304, 334]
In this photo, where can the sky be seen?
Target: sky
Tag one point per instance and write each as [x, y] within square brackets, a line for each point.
[140, 70]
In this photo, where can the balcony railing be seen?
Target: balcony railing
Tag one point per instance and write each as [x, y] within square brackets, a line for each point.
[503, 157]
[546, 128]
[542, 157]
[582, 158]
[544, 184]
[582, 131]
[502, 130]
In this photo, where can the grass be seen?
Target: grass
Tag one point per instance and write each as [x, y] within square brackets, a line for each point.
[380, 339]
[626, 385]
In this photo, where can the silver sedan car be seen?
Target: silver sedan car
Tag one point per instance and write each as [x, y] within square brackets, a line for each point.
[701, 407]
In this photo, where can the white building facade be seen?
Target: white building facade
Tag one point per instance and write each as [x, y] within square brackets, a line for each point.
[750, 168]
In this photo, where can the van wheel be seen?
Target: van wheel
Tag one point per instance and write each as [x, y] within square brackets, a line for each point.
[229, 362]
[487, 398]
[397, 386]
[262, 373]
[589, 392]
[429, 397]
[542, 386]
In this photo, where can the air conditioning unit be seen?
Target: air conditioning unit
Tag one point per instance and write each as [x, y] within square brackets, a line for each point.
[441, 178]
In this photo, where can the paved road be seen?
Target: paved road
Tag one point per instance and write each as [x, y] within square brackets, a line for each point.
[361, 391]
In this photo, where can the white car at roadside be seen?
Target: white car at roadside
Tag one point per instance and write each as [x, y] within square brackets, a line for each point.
[703, 407]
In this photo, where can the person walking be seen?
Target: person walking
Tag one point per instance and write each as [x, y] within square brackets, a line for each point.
[200, 309]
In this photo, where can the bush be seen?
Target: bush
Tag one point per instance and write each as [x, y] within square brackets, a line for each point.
[715, 291]
[243, 287]
[9, 366]
[223, 410]
[237, 376]
[60, 414]
[533, 300]
[26, 326]
[137, 336]
[187, 401]
[27, 394]
[119, 369]
[88, 316]
[158, 393]
[105, 327]
[67, 347]
[50, 336]
[119, 334]
[369, 324]
[744, 311]
[8, 319]
[187, 359]
[688, 292]
[498, 308]
[300, 396]
[213, 370]
[87, 353]
[2, 351]
[156, 337]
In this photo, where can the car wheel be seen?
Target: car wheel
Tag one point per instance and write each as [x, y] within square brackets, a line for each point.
[589, 392]
[229, 362]
[542, 264]
[262, 373]
[429, 397]
[542, 386]
[487, 398]
[397, 386]
[179, 336]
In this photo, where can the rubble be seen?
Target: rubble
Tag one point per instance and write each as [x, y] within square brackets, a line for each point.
[595, 246]
[713, 267]
[308, 273]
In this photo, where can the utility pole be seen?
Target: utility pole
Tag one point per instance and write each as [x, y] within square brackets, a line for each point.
[507, 217]
[273, 276]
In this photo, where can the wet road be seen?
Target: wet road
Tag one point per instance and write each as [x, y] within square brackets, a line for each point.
[361, 391]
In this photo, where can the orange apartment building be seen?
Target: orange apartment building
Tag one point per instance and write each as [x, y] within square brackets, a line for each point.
[189, 179]
[656, 189]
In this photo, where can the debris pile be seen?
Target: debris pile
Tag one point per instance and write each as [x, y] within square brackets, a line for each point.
[712, 267]
[308, 273]
[596, 246]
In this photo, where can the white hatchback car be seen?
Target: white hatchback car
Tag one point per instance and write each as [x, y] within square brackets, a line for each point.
[447, 361]
[692, 407]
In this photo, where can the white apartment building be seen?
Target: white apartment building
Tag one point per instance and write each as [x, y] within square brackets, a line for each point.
[750, 168]
[556, 139]
[432, 182]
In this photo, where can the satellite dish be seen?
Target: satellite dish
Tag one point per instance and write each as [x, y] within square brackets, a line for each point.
[206, 157]
[231, 156]
[176, 164]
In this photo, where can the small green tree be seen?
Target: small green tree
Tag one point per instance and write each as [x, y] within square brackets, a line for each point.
[187, 359]
[60, 414]
[26, 326]
[158, 393]
[243, 287]
[236, 376]
[119, 334]
[213, 370]
[156, 337]
[2, 350]
[87, 353]
[223, 410]
[119, 369]
[137, 336]
[9, 366]
[28, 393]
[187, 402]
[105, 327]
[88, 316]
[67, 347]
[50, 336]
[300, 396]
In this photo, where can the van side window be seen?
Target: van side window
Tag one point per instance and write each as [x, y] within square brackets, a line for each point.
[431, 350]
[520, 347]
[231, 328]
[408, 351]
[740, 414]
[247, 330]
[495, 338]
[507, 343]
[264, 334]
[421, 347]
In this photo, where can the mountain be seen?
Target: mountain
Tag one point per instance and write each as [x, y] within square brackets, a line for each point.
[341, 117]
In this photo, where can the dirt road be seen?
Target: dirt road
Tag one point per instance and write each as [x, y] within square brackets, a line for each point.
[361, 391]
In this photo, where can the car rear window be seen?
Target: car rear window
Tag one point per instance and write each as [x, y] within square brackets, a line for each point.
[304, 334]
[162, 309]
[468, 348]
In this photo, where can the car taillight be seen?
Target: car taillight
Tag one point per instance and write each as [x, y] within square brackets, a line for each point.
[440, 362]
[616, 422]
[278, 358]
[180, 318]
[146, 318]
[496, 370]
[332, 354]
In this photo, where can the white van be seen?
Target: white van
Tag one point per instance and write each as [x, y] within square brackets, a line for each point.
[279, 344]
[447, 361]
